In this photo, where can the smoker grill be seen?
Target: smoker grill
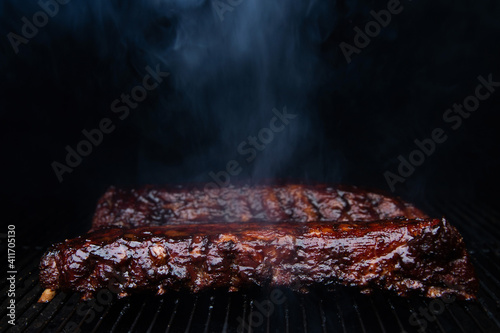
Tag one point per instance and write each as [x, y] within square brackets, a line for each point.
[340, 310]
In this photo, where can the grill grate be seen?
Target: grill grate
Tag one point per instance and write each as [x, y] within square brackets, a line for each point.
[342, 310]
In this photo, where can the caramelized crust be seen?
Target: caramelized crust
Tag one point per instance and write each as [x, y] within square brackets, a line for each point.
[403, 256]
[155, 206]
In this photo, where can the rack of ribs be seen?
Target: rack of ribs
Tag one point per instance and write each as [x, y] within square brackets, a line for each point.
[404, 256]
[181, 237]
[155, 206]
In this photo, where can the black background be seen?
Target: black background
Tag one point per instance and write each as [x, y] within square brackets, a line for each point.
[362, 115]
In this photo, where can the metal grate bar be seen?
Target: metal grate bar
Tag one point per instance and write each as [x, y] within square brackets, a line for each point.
[356, 309]
[172, 315]
[393, 310]
[304, 315]
[190, 320]
[82, 320]
[250, 318]
[209, 316]
[245, 305]
[322, 314]
[268, 321]
[101, 318]
[226, 318]
[411, 307]
[137, 317]
[287, 319]
[378, 316]
[341, 317]
[120, 316]
[155, 317]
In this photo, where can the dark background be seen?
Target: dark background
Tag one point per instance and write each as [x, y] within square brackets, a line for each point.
[355, 119]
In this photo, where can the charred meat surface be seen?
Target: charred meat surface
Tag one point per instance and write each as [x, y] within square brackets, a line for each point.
[153, 205]
[403, 256]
